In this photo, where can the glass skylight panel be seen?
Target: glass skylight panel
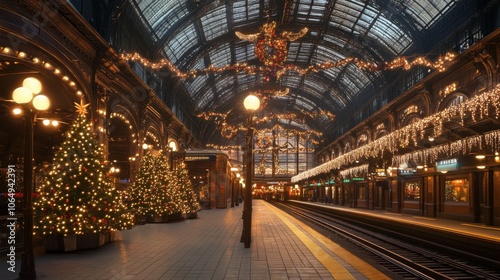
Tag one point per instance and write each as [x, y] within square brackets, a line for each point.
[200, 64]
[253, 11]
[291, 80]
[170, 17]
[223, 83]
[324, 54]
[348, 82]
[214, 23]
[221, 56]
[340, 42]
[302, 103]
[244, 80]
[392, 36]
[299, 52]
[196, 85]
[245, 11]
[341, 101]
[304, 8]
[156, 11]
[317, 87]
[332, 72]
[427, 12]
[358, 76]
[205, 98]
[182, 42]
[244, 52]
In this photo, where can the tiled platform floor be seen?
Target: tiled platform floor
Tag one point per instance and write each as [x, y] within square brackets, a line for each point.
[209, 248]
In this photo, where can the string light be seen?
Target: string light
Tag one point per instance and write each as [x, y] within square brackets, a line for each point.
[478, 107]
[48, 66]
[76, 195]
[279, 71]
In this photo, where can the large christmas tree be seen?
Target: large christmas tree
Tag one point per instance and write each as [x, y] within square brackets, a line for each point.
[77, 196]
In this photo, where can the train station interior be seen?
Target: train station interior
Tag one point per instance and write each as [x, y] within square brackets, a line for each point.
[187, 133]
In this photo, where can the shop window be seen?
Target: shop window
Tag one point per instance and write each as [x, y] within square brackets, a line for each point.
[412, 191]
[456, 190]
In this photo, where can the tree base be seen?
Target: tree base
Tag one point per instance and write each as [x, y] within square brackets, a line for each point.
[63, 244]
[59, 243]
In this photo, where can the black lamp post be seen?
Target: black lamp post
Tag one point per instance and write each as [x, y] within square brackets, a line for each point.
[251, 103]
[29, 93]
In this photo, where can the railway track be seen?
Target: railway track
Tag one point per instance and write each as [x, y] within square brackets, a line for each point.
[404, 258]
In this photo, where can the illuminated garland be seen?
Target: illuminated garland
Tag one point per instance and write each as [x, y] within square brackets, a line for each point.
[221, 117]
[230, 131]
[460, 147]
[126, 121]
[477, 107]
[400, 62]
[46, 64]
[354, 171]
[271, 49]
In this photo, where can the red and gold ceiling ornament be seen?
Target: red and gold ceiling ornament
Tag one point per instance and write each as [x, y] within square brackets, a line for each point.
[271, 48]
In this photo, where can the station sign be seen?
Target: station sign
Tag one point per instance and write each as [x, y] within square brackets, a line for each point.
[354, 179]
[447, 165]
[200, 158]
[407, 172]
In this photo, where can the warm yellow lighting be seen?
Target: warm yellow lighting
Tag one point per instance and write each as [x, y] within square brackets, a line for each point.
[55, 123]
[431, 138]
[172, 146]
[481, 167]
[145, 146]
[22, 95]
[444, 172]
[46, 122]
[251, 102]
[480, 156]
[41, 102]
[238, 175]
[17, 111]
[420, 166]
[33, 84]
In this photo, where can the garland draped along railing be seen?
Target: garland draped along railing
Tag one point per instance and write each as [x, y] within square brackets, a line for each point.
[477, 107]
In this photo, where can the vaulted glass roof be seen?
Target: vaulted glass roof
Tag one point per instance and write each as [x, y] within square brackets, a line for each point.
[195, 34]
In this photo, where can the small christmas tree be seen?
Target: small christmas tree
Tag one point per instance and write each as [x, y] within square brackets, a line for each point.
[76, 196]
[189, 200]
[150, 195]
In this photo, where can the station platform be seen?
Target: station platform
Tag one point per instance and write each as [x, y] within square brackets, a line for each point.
[466, 229]
[209, 248]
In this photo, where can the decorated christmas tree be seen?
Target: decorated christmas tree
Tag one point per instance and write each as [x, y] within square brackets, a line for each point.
[189, 200]
[77, 196]
[150, 194]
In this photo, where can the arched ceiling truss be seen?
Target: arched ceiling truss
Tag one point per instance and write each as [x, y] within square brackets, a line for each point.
[195, 34]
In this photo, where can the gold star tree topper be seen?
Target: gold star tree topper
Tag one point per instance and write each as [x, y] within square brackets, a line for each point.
[82, 107]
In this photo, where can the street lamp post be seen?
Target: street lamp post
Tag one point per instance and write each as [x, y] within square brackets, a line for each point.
[29, 92]
[237, 198]
[251, 103]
